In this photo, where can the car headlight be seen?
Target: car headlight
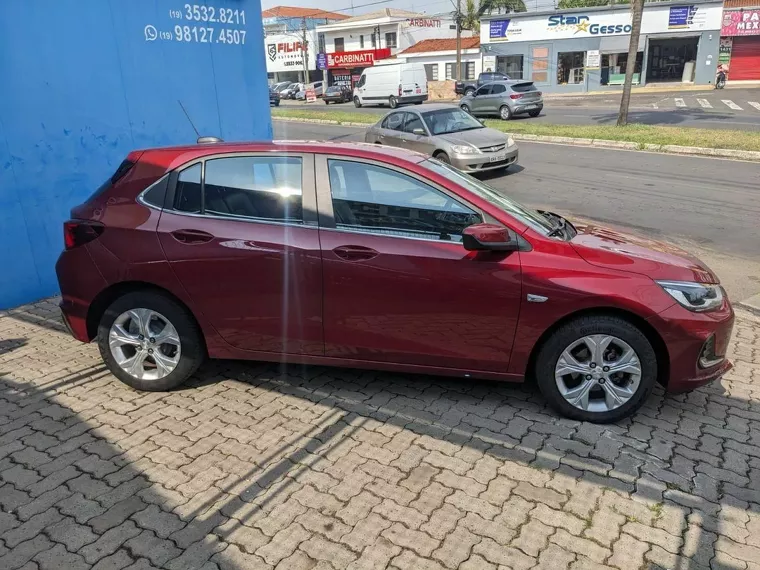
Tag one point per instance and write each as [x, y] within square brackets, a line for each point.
[464, 149]
[696, 297]
[510, 141]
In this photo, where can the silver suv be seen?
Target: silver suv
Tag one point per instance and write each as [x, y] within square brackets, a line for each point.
[505, 99]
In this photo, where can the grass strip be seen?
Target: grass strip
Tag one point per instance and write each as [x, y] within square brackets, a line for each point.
[636, 133]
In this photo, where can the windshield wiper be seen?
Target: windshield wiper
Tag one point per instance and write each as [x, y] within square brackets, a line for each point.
[559, 223]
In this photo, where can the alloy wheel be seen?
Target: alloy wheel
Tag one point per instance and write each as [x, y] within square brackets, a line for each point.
[598, 373]
[144, 344]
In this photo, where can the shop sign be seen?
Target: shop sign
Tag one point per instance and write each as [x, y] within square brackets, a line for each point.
[724, 54]
[741, 23]
[322, 61]
[584, 24]
[311, 95]
[489, 62]
[356, 58]
[685, 17]
[422, 23]
[593, 59]
[285, 52]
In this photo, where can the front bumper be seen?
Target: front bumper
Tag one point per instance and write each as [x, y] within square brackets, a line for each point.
[685, 334]
[483, 162]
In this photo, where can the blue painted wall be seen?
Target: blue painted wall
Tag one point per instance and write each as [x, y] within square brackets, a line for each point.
[86, 81]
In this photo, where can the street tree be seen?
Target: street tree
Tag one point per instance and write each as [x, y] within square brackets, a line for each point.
[637, 9]
[565, 4]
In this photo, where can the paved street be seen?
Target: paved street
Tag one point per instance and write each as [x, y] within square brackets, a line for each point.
[726, 109]
[256, 467]
[711, 207]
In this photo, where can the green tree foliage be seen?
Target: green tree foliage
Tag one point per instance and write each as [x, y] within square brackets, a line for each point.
[501, 6]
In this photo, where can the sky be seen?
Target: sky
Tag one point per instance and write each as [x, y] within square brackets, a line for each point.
[363, 6]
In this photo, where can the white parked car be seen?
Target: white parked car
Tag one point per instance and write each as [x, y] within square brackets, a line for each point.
[392, 84]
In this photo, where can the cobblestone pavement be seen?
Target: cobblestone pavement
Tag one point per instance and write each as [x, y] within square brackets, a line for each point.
[255, 467]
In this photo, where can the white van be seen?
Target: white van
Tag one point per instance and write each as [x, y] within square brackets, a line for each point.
[392, 84]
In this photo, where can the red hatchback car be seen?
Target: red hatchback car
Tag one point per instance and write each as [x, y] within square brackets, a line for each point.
[363, 256]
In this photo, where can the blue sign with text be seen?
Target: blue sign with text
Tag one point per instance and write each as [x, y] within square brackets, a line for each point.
[498, 28]
[681, 17]
[322, 61]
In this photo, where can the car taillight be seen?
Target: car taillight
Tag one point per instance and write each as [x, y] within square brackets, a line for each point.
[516, 95]
[80, 232]
[399, 90]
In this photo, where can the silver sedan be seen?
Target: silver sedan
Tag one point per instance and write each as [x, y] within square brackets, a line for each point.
[448, 134]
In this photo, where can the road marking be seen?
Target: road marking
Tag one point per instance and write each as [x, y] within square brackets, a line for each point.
[704, 103]
[680, 103]
[755, 104]
[731, 104]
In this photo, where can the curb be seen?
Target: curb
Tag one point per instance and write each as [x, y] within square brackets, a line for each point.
[752, 304]
[749, 155]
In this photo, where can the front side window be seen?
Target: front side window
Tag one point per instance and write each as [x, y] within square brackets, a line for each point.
[378, 200]
[413, 122]
[485, 90]
[188, 191]
[394, 121]
[257, 187]
[525, 215]
[362, 81]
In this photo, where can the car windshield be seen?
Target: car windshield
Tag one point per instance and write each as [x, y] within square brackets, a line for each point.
[525, 215]
[333, 89]
[454, 120]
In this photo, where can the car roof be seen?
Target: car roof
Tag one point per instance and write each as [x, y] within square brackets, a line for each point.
[173, 157]
[428, 107]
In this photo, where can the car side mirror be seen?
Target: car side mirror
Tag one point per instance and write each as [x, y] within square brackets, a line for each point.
[419, 131]
[489, 237]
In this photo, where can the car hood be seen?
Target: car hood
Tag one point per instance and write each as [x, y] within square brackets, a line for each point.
[605, 247]
[477, 137]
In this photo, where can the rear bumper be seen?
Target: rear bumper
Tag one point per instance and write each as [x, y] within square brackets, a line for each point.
[482, 162]
[685, 334]
[412, 98]
[527, 107]
[80, 282]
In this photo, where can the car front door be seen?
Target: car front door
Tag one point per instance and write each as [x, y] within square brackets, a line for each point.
[240, 232]
[399, 287]
[479, 102]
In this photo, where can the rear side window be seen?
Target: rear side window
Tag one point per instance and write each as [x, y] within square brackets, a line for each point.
[188, 192]
[264, 188]
[496, 89]
[523, 87]
[156, 193]
[394, 121]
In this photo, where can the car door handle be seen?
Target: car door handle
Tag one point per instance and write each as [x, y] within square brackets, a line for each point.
[191, 237]
[355, 252]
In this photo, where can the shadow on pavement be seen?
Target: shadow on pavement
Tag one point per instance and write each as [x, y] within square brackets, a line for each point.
[261, 466]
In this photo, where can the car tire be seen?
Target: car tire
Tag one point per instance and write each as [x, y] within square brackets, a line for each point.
[465, 108]
[442, 156]
[468, 92]
[327, 102]
[505, 112]
[357, 102]
[276, 103]
[534, 113]
[575, 333]
[392, 102]
[190, 350]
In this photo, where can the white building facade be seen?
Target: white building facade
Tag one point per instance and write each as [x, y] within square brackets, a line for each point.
[350, 46]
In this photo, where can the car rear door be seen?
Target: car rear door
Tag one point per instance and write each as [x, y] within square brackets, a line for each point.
[399, 287]
[496, 98]
[479, 103]
[391, 129]
[240, 232]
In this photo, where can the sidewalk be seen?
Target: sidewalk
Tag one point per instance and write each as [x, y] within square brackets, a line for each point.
[255, 467]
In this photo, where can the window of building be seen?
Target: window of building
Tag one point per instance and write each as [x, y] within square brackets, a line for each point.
[540, 57]
[468, 71]
[449, 71]
[321, 43]
[258, 187]
[379, 200]
[511, 65]
[374, 40]
[361, 41]
[339, 44]
[187, 196]
[390, 40]
[613, 68]
[571, 67]
[431, 71]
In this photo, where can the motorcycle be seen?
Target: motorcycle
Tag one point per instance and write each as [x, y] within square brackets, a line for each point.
[720, 80]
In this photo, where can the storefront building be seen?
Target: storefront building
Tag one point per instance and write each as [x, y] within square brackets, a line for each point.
[290, 42]
[586, 49]
[350, 46]
[740, 44]
[439, 56]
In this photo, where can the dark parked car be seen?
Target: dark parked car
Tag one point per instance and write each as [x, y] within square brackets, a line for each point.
[371, 257]
[337, 94]
[469, 87]
[274, 97]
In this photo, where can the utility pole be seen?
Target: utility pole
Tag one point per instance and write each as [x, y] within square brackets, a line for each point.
[305, 51]
[458, 74]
